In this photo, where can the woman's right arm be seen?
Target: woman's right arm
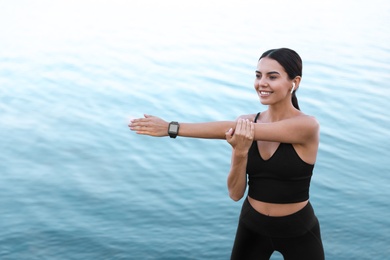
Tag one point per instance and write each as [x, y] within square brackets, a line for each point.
[240, 140]
[155, 126]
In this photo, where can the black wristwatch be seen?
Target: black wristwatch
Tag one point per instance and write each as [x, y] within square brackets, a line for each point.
[173, 129]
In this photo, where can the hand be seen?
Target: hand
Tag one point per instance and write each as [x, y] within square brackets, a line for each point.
[241, 139]
[150, 125]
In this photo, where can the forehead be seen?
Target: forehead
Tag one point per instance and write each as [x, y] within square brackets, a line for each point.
[266, 64]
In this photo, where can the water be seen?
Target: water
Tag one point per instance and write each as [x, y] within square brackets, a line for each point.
[77, 184]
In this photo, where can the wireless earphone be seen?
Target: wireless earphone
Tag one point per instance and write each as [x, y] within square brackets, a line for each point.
[293, 88]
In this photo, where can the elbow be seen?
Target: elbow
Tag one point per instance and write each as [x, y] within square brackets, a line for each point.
[236, 186]
[235, 196]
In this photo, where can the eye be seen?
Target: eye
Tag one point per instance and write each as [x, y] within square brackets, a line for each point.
[258, 76]
[272, 77]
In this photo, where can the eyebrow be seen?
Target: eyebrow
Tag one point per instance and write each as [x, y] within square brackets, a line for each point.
[269, 73]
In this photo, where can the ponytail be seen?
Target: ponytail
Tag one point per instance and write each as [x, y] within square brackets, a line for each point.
[294, 100]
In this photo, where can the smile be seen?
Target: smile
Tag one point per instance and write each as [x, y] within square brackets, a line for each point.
[265, 93]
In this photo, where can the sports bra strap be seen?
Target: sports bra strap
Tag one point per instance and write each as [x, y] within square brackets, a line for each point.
[257, 117]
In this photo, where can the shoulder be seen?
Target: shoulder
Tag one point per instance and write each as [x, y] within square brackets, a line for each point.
[308, 123]
[309, 120]
[250, 117]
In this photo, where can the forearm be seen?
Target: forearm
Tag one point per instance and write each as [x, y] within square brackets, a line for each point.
[237, 180]
[155, 126]
[209, 130]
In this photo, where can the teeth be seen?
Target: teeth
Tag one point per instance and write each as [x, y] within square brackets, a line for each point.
[265, 93]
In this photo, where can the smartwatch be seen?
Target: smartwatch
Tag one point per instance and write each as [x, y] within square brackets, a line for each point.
[173, 129]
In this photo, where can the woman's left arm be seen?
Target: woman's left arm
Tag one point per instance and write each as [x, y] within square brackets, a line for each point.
[296, 130]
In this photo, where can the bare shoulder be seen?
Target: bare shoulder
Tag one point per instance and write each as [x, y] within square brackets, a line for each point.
[250, 117]
[309, 120]
[307, 124]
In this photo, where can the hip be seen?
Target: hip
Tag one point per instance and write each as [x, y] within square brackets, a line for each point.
[292, 225]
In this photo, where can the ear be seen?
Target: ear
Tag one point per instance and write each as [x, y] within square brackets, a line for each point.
[296, 81]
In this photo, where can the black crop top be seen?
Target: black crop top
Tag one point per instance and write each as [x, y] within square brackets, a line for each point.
[283, 178]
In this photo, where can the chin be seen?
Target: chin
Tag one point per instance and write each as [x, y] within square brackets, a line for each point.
[263, 102]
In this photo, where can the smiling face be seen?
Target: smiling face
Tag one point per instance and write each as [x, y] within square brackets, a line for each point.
[272, 83]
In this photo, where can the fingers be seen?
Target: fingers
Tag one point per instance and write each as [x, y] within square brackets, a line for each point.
[137, 128]
[239, 126]
[229, 134]
[139, 125]
[245, 128]
[139, 122]
[252, 130]
[141, 128]
[149, 125]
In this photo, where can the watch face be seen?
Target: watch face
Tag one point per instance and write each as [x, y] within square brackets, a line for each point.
[173, 128]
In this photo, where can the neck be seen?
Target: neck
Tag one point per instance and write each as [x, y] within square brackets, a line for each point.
[279, 112]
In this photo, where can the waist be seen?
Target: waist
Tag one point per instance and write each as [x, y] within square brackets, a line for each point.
[292, 225]
[276, 209]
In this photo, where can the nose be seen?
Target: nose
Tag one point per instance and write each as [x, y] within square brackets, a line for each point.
[260, 82]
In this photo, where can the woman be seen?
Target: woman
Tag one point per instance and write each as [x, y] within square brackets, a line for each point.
[276, 150]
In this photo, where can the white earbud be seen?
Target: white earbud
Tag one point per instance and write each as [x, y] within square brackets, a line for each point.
[293, 88]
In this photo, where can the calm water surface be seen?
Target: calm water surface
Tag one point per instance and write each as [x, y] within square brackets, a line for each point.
[75, 183]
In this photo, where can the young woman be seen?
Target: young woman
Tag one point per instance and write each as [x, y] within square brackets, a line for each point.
[274, 152]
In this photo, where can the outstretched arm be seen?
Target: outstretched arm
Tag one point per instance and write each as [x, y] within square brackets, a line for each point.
[301, 129]
[155, 126]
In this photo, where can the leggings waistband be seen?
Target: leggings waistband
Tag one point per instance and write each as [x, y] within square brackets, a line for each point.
[292, 225]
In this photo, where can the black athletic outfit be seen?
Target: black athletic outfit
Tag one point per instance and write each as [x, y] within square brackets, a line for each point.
[284, 178]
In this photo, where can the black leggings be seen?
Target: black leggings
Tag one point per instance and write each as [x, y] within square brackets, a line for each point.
[296, 236]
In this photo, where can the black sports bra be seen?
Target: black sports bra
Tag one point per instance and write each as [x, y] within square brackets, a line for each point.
[283, 178]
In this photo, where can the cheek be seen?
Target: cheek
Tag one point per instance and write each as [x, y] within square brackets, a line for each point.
[256, 84]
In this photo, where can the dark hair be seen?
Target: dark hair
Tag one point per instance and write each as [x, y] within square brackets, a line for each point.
[291, 62]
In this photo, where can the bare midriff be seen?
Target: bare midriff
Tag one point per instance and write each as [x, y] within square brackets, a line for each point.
[275, 209]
